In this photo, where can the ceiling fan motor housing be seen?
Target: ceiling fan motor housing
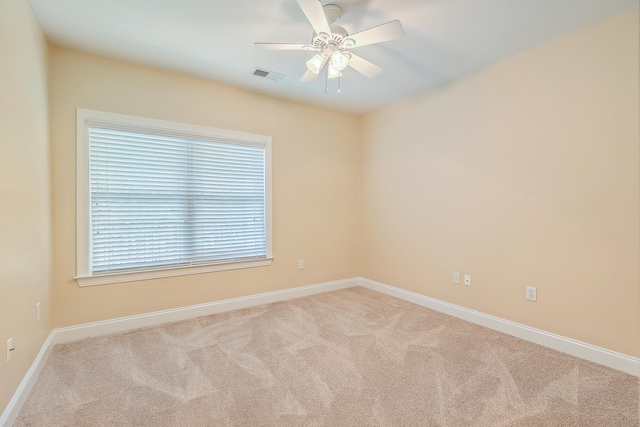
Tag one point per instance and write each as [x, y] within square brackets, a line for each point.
[337, 40]
[338, 37]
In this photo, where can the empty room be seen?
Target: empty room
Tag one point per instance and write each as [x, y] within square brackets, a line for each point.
[320, 213]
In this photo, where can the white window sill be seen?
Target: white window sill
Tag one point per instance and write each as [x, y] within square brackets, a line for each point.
[105, 279]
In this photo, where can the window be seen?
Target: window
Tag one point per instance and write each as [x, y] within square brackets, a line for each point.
[160, 199]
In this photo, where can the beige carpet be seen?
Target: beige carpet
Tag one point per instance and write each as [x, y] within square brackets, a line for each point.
[346, 358]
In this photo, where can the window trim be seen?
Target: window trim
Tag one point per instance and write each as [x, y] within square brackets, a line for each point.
[86, 118]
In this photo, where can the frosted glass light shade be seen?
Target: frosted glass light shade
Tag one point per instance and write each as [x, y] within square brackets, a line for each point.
[315, 63]
[339, 61]
[332, 72]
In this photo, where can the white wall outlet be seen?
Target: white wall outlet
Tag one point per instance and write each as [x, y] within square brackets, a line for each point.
[456, 277]
[467, 280]
[37, 312]
[300, 264]
[532, 293]
[9, 349]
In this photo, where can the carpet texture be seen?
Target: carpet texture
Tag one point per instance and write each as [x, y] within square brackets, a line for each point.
[346, 358]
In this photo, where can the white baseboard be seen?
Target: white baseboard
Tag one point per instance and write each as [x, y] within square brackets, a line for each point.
[123, 324]
[602, 356]
[12, 410]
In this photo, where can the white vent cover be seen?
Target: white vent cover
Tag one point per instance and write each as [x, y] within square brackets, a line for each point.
[266, 74]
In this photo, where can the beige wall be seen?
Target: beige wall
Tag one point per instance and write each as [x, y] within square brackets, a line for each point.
[25, 238]
[524, 173]
[315, 183]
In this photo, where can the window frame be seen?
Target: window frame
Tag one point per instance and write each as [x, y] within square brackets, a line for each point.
[86, 118]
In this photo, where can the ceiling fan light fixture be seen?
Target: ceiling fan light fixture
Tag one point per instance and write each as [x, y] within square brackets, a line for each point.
[339, 61]
[315, 63]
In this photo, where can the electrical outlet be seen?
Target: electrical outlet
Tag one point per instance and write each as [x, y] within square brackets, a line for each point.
[9, 349]
[456, 278]
[532, 293]
[37, 312]
[300, 264]
[467, 280]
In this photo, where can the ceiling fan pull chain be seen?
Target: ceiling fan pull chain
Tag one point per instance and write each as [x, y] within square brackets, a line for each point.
[339, 91]
[326, 81]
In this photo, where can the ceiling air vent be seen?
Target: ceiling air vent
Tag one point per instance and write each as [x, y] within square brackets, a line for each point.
[265, 74]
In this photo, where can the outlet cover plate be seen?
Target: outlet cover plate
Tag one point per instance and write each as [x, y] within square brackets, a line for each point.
[456, 278]
[467, 280]
[532, 293]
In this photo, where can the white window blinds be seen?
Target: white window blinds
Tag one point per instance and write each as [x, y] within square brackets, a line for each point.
[159, 201]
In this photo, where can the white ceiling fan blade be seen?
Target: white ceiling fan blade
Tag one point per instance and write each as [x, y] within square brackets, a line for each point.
[382, 33]
[315, 14]
[363, 66]
[284, 46]
[308, 77]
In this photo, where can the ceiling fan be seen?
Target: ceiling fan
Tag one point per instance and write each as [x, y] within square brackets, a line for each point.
[333, 44]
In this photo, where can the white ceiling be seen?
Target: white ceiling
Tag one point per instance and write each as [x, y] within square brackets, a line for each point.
[214, 39]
